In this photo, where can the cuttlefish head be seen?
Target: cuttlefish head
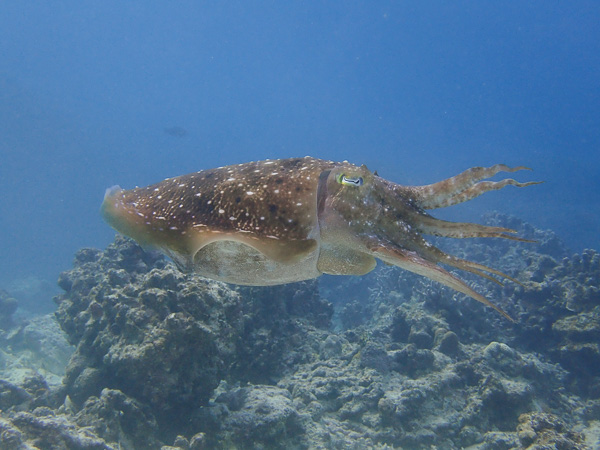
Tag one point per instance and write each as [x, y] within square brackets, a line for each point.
[359, 209]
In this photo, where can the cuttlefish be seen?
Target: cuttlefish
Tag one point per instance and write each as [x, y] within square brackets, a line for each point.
[279, 221]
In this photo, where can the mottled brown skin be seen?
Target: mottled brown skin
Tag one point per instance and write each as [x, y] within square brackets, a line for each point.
[279, 221]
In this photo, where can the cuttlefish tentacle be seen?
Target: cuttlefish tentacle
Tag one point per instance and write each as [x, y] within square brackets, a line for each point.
[483, 186]
[413, 262]
[436, 255]
[465, 186]
[437, 227]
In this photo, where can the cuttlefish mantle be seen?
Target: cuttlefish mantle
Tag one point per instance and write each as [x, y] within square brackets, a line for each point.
[279, 221]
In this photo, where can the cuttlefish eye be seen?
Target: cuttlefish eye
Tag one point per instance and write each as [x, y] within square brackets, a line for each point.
[349, 181]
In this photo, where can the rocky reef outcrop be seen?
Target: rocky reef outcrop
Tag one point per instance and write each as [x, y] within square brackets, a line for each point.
[169, 360]
[8, 306]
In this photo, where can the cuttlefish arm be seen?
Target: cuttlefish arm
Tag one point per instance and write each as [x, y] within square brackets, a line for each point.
[465, 186]
[419, 256]
[411, 261]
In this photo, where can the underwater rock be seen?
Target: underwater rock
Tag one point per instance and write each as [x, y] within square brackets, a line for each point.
[374, 356]
[123, 420]
[542, 430]
[332, 346]
[412, 360]
[447, 342]
[41, 345]
[503, 400]
[273, 328]
[438, 407]
[503, 359]
[165, 339]
[33, 362]
[12, 395]
[561, 318]
[8, 306]
[44, 428]
[264, 416]
[133, 335]
[498, 440]
[579, 345]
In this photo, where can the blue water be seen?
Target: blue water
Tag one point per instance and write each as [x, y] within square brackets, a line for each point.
[94, 94]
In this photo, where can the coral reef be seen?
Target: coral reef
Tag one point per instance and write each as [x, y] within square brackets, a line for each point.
[166, 339]
[8, 306]
[169, 360]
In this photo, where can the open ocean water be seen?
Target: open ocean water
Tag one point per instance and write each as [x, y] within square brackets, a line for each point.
[95, 94]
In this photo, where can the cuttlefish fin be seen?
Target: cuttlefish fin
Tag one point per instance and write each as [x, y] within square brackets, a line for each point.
[465, 186]
[411, 261]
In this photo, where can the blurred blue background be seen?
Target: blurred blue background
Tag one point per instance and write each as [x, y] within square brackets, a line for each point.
[94, 94]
